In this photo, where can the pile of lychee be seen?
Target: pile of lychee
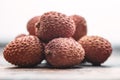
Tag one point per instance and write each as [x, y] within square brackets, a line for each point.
[59, 39]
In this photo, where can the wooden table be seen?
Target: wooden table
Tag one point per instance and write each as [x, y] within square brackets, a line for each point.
[110, 70]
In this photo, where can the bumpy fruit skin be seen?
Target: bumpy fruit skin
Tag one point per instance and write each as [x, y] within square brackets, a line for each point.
[54, 25]
[20, 35]
[64, 52]
[97, 49]
[24, 52]
[31, 25]
[81, 27]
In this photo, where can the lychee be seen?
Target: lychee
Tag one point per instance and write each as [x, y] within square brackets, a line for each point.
[97, 49]
[31, 25]
[81, 26]
[26, 51]
[54, 25]
[64, 52]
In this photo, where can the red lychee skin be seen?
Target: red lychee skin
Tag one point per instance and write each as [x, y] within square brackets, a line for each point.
[64, 52]
[20, 35]
[54, 25]
[26, 51]
[31, 25]
[81, 27]
[97, 49]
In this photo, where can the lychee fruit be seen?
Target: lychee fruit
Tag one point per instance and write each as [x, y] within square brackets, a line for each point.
[64, 52]
[97, 49]
[81, 26]
[54, 25]
[26, 51]
[31, 25]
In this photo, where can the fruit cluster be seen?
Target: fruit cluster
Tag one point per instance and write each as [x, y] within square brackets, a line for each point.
[59, 39]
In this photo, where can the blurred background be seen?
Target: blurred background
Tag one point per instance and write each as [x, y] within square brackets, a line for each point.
[102, 16]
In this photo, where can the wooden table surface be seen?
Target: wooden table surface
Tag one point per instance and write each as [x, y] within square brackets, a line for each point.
[110, 70]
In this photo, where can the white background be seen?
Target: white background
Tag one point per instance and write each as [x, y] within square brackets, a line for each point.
[103, 16]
